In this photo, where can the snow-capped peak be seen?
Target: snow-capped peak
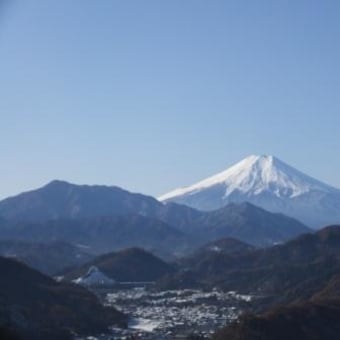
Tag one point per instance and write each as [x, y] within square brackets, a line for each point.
[254, 175]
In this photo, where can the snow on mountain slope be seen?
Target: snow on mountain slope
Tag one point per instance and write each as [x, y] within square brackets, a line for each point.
[254, 175]
[268, 182]
[94, 277]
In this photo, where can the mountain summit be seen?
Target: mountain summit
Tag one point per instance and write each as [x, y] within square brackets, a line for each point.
[268, 182]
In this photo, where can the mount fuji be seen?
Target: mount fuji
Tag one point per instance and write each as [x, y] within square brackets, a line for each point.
[269, 183]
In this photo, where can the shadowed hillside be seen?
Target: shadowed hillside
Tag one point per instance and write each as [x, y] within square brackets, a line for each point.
[284, 273]
[314, 319]
[129, 265]
[38, 307]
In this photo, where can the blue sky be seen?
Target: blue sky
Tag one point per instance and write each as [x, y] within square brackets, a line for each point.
[150, 95]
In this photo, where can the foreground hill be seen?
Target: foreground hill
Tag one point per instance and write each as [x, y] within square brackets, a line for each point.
[305, 321]
[37, 307]
[314, 319]
[283, 273]
[128, 265]
[48, 258]
[267, 182]
[8, 334]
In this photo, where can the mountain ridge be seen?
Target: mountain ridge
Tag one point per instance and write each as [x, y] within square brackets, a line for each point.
[61, 199]
[111, 218]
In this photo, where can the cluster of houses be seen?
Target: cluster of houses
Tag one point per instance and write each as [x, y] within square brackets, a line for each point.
[174, 314]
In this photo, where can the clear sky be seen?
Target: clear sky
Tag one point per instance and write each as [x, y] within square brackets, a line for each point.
[154, 94]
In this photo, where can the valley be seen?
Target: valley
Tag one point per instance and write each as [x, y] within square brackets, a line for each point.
[173, 314]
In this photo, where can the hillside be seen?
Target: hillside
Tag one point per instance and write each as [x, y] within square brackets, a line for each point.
[110, 218]
[49, 258]
[102, 234]
[62, 307]
[313, 319]
[246, 223]
[283, 273]
[63, 200]
[128, 265]
[227, 246]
